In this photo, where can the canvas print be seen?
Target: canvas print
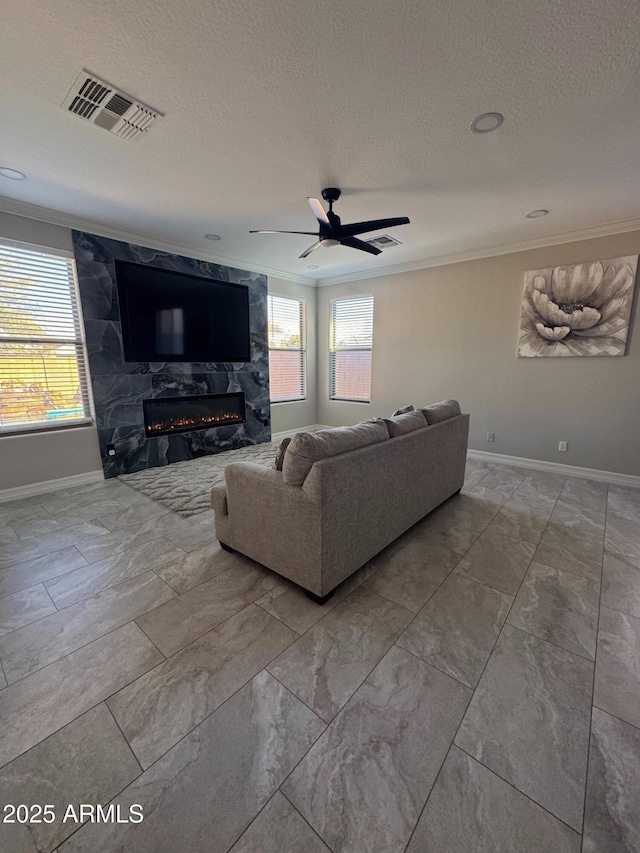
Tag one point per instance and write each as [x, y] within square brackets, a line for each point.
[582, 309]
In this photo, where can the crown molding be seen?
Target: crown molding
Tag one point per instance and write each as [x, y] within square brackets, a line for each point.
[593, 231]
[67, 220]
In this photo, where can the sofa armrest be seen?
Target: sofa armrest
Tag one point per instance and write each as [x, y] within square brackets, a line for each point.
[274, 523]
[219, 499]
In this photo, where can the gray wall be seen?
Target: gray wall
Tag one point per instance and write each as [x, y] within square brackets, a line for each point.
[287, 416]
[452, 331]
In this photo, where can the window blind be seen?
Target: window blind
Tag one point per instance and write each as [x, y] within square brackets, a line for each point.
[43, 374]
[287, 348]
[351, 341]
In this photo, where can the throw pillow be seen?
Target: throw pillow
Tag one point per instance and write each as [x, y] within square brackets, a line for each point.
[280, 454]
[309, 447]
[403, 410]
[403, 424]
[441, 411]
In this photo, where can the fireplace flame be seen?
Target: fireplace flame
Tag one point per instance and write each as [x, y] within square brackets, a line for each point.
[201, 420]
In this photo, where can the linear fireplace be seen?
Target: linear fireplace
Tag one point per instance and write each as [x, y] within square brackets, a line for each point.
[168, 415]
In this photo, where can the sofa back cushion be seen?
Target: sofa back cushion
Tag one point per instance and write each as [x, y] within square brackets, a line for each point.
[402, 424]
[282, 449]
[441, 411]
[309, 447]
[403, 410]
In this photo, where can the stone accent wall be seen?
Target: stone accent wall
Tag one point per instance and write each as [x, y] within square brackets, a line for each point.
[119, 387]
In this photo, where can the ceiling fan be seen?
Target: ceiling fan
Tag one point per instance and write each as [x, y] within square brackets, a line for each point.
[333, 233]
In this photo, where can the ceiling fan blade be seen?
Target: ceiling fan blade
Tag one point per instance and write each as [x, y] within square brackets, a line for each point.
[373, 225]
[265, 231]
[309, 250]
[318, 211]
[354, 243]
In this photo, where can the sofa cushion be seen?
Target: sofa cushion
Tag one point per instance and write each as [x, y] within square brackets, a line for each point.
[441, 411]
[402, 424]
[282, 449]
[403, 410]
[309, 447]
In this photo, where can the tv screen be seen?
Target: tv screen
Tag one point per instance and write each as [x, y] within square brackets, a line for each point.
[169, 316]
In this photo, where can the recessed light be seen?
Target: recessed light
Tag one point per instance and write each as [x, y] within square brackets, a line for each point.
[487, 122]
[536, 214]
[212, 237]
[12, 174]
[313, 266]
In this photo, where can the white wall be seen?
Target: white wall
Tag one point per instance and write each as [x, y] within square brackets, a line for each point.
[452, 331]
[287, 416]
[47, 455]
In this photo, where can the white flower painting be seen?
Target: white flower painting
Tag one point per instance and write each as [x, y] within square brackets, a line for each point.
[583, 309]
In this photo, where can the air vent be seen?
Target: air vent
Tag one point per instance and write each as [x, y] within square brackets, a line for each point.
[97, 101]
[384, 242]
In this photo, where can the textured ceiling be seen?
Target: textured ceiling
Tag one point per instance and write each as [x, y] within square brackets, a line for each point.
[267, 102]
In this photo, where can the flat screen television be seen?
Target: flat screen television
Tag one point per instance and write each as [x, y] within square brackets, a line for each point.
[170, 316]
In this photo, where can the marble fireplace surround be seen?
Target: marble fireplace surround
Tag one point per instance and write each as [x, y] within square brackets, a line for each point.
[119, 387]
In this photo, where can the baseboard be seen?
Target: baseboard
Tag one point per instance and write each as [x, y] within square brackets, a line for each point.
[45, 486]
[557, 468]
[289, 433]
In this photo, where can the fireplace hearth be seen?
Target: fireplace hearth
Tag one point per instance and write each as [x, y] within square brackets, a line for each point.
[169, 415]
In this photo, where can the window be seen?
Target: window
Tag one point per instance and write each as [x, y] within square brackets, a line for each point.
[287, 349]
[350, 343]
[43, 377]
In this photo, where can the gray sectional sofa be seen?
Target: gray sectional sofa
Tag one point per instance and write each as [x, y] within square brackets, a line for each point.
[342, 495]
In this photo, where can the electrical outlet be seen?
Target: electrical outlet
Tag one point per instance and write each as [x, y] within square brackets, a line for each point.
[111, 449]
[491, 436]
[562, 446]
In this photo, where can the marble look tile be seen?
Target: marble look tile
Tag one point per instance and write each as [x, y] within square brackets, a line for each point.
[495, 498]
[179, 622]
[40, 546]
[621, 583]
[456, 630]
[472, 809]
[3, 680]
[581, 492]
[328, 663]
[90, 579]
[39, 705]
[586, 517]
[381, 754]
[33, 647]
[529, 720]
[612, 821]
[473, 504]
[520, 521]
[8, 535]
[190, 534]
[498, 561]
[279, 828]
[169, 701]
[10, 514]
[74, 499]
[87, 761]
[204, 792]
[451, 528]
[62, 520]
[198, 566]
[411, 575]
[476, 470]
[24, 607]
[571, 550]
[623, 534]
[505, 478]
[290, 605]
[617, 685]
[32, 572]
[121, 518]
[122, 540]
[559, 607]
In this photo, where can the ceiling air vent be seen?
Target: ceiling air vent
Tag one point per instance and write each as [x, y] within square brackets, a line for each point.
[97, 101]
[384, 242]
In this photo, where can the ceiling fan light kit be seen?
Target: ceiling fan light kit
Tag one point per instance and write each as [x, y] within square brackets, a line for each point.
[333, 233]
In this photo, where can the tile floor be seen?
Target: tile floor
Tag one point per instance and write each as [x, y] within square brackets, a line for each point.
[476, 687]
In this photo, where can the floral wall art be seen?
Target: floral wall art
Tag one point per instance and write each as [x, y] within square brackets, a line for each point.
[582, 309]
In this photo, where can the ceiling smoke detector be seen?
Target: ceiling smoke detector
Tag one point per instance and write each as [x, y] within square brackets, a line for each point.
[100, 103]
[384, 242]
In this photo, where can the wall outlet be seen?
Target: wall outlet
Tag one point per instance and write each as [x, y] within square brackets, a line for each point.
[491, 436]
[111, 449]
[562, 446]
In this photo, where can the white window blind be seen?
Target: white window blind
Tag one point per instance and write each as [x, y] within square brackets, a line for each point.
[287, 348]
[43, 375]
[351, 341]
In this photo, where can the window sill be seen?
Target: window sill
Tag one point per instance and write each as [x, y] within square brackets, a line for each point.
[35, 429]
